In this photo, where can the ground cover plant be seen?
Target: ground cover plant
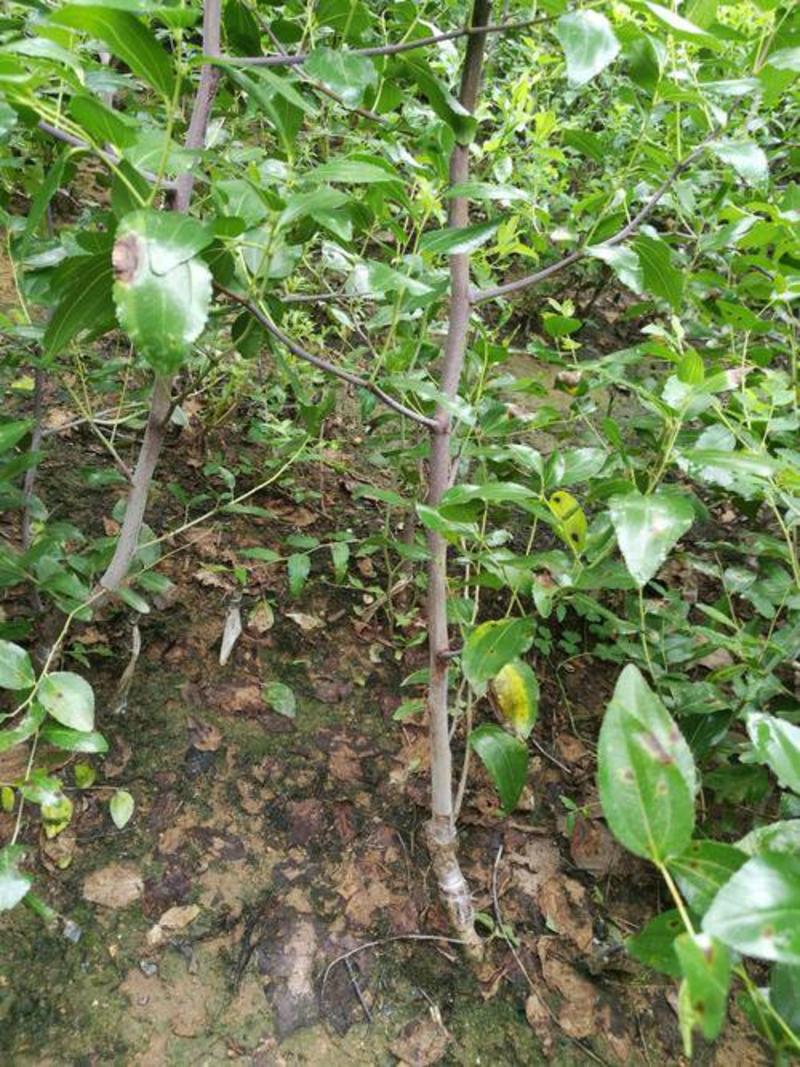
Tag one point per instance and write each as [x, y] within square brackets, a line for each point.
[523, 280]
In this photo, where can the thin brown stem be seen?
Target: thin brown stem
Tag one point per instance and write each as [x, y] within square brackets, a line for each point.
[298, 58]
[480, 296]
[161, 401]
[325, 365]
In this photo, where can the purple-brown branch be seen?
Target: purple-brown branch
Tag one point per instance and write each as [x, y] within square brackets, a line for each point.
[480, 296]
[161, 400]
[325, 365]
[296, 59]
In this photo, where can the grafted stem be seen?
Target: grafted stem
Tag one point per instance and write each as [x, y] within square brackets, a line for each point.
[441, 832]
[161, 400]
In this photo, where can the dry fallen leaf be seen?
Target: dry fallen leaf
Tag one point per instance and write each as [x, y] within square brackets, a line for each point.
[307, 623]
[422, 1043]
[114, 886]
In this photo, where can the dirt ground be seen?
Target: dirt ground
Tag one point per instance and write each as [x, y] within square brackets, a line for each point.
[271, 901]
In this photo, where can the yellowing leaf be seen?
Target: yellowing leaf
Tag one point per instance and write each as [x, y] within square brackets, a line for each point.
[515, 692]
[571, 526]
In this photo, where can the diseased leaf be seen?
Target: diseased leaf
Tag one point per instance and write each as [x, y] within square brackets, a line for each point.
[646, 773]
[571, 525]
[491, 646]
[655, 944]
[162, 290]
[703, 869]
[506, 760]
[703, 996]
[757, 912]
[516, 693]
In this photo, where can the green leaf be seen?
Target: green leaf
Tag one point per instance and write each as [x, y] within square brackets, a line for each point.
[38, 208]
[784, 994]
[69, 699]
[623, 261]
[340, 555]
[777, 743]
[14, 884]
[515, 690]
[162, 289]
[646, 774]
[785, 59]
[487, 191]
[127, 38]
[28, 725]
[120, 808]
[703, 869]
[280, 698]
[781, 836]
[679, 25]
[658, 274]
[655, 944]
[506, 760]
[444, 104]
[454, 241]
[299, 567]
[12, 431]
[16, 670]
[747, 159]
[589, 45]
[353, 172]
[74, 740]
[758, 911]
[85, 775]
[491, 646]
[647, 528]
[86, 303]
[241, 29]
[703, 996]
[349, 76]
[103, 125]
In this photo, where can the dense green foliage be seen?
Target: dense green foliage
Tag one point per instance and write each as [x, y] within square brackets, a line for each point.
[634, 493]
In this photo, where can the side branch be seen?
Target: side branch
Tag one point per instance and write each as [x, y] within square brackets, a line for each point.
[323, 364]
[298, 58]
[481, 296]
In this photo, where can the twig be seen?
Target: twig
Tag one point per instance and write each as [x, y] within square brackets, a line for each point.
[30, 474]
[298, 58]
[323, 364]
[105, 154]
[320, 87]
[357, 991]
[161, 400]
[498, 918]
[480, 296]
[379, 944]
